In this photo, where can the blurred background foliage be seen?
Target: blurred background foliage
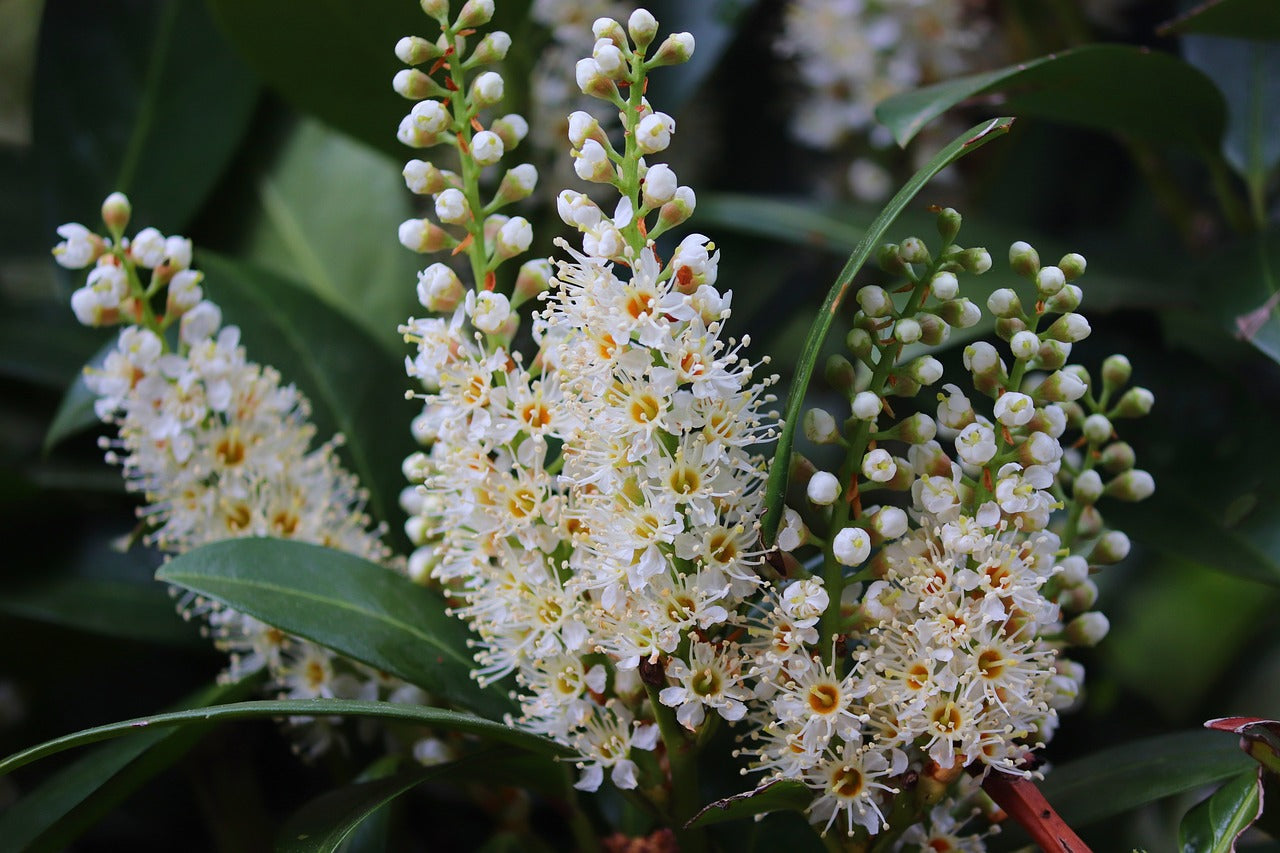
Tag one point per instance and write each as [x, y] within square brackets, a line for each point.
[265, 132]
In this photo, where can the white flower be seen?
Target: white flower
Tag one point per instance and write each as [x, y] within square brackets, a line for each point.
[78, 248]
[976, 444]
[851, 546]
[1024, 345]
[148, 248]
[451, 207]
[439, 288]
[488, 310]
[878, 466]
[653, 134]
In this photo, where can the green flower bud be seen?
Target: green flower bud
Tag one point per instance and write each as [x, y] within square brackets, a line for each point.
[492, 48]
[915, 429]
[1052, 354]
[875, 301]
[475, 13]
[1069, 328]
[1087, 629]
[1118, 457]
[1072, 266]
[905, 387]
[1116, 371]
[412, 50]
[820, 427]
[934, 331]
[1135, 403]
[438, 9]
[1006, 328]
[1004, 303]
[534, 278]
[1080, 597]
[413, 84]
[914, 251]
[860, 343]
[643, 27]
[1074, 413]
[949, 224]
[975, 261]
[960, 313]
[1132, 486]
[1091, 523]
[1024, 259]
[840, 373]
[675, 49]
[1112, 547]
[116, 211]
[889, 259]
[1064, 301]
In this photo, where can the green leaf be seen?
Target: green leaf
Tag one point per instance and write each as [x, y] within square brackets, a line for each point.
[415, 714]
[324, 823]
[1245, 19]
[145, 98]
[76, 797]
[967, 142]
[356, 387]
[112, 608]
[75, 411]
[1163, 98]
[346, 253]
[1215, 825]
[781, 795]
[338, 61]
[45, 347]
[1115, 780]
[355, 607]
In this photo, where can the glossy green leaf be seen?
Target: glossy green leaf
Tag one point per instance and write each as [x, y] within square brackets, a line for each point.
[356, 386]
[345, 603]
[1163, 98]
[1215, 825]
[964, 144]
[76, 797]
[1245, 19]
[75, 411]
[414, 714]
[781, 795]
[324, 823]
[145, 98]
[344, 79]
[347, 253]
[112, 608]
[1115, 780]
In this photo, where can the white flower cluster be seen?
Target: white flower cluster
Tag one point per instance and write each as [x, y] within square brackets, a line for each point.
[217, 446]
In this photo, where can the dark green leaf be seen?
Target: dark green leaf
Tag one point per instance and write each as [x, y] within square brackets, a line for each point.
[338, 61]
[414, 714]
[1245, 19]
[75, 412]
[1162, 98]
[356, 386]
[113, 608]
[324, 823]
[44, 350]
[73, 799]
[345, 603]
[1115, 780]
[145, 98]
[1215, 825]
[967, 142]
[782, 795]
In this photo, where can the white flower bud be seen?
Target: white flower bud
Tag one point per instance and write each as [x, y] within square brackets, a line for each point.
[653, 134]
[890, 523]
[1074, 571]
[492, 48]
[1042, 449]
[488, 310]
[1097, 429]
[591, 163]
[659, 185]
[475, 13]
[875, 301]
[917, 429]
[1024, 259]
[514, 237]
[1004, 302]
[200, 323]
[487, 89]
[486, 148]
[945, 286]
[954, 409]
[1024, 345]
[423, 236]
[1061, 387]
[982, 359]
[413, 84]
[866, 406]
[1087, 629]
[430, 117]
[177, 253]
[1134, 403]
[1087, 487]
[675, 49]
[1132, 485]
[608, 28]
[1067, 299]
[878, 466]
[1112, 547]
[593, 81]
[1072, 266]
[960, 313]
[413, 50]
[1014, 409]
[925, 370]
[642, 27]
[820, 427]
[976, 261]
[147, 248]
[679, 209]
[609, 59]
[852, 546]
[452, 208]
[583, 126]
[439, 288]
[1069, 328]
[1049, 281]
[1116, 371]
[823, 489]
[116, 211]
[185, 292]
[424, 178]
[518, 183]
[907, 330]
[511, 129]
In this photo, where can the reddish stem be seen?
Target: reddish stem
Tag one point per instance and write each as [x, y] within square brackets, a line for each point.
[1022, 800]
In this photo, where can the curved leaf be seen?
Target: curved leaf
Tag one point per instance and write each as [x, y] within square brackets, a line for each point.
[356, 386]
[355, 607]
[416, 714]
[324, 823]
[1118, 779]
[74, 798]
[1162, 98]
[781, 795]
[1245, 19]
[1215, 825]
[145, 98]
[75, 411]
[966, 143]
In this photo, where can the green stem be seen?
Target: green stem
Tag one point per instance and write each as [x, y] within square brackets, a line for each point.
[682, 757]
[584, 835]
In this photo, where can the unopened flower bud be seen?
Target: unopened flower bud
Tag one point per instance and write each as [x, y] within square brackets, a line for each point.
[1116, 371]
[1004, 302]
[610, 59]
[675, 49]
[1069, 328]
[982, 359]
[514, 238]
[823, 489]
[924, 370]
[593, 81]
[1087, 629]
[1065, 300]
[452, 208]
[439, 288]
[413, 84]
[851, 547]
[914, 251]
[878, 466]
[487, 89]
[1072, 266]
[412, 50]
[584, 126]
[1080, 597]
[859, 343]
[677, 210]
[866, 406]
[1023, 345]
[492, 48]
[488, 310]
[438, 9]
[1074, 571]
[949, 224]
[653, 133]
[534, 278]
[424, 178]
[1074, 414]
[889, 523]
[840, 374]
[1061, 387]
[1051, 420]
[960, 313]
[642, 27]
[1134, 403]
[875, 301]
[915, 429]
[944, 286]
[486, 148]
[906, 330]
[889, 259]
[475, 13]
[1118, 457]
[591, 163]
[116, 211]
[1049, 281]
[1053, 354]
[421, 235]
[1007, 327]
[976, 260]
[820, 427]
[1087, 487]
[518, 183]
[1111, 547]
[659, 185]
[934, 331]
[1097, 429]
[1132, 485]
[511, 129]
[1023, 259]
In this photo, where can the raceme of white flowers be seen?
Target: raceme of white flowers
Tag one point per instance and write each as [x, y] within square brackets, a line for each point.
[594, 509]
[218, 447]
